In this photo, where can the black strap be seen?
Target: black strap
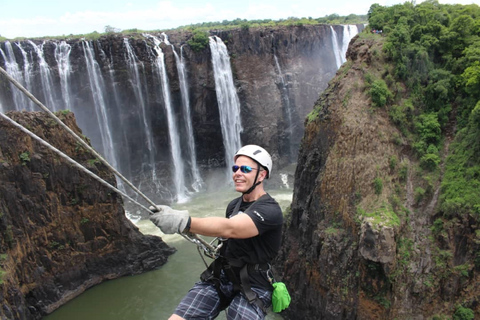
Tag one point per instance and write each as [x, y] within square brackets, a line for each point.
[247, 289]
[229, 267]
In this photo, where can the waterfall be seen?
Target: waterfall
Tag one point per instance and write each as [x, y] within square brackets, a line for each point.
[340, 51]
[27, 74]
[97, 87]
[133, 66]
[182, 76]
[62, 56]
[336, 49]
[288, 106]
[11, 66]
[173, 133]
[349, 31]
[46, 77]
[227, 98]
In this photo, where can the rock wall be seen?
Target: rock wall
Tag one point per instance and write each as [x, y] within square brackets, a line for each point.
[355, 249]
[61, 231]
[278, 72]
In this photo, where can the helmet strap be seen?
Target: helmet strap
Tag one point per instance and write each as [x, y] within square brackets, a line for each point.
[255, 183]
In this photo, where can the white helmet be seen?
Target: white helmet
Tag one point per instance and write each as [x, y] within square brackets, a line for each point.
[258, 154]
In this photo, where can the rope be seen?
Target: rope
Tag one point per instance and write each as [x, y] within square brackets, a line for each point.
[201, 243]
[70, 160]
[79, 139]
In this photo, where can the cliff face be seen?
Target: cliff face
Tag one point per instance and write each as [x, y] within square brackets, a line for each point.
[278, 74]
[358, 243]
[61, 231]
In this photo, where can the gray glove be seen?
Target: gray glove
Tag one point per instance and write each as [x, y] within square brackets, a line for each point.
[170, 221]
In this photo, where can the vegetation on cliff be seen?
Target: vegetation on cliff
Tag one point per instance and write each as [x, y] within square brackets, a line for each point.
[200, 29]
[431, 89]
[391, 162]
[435, 50]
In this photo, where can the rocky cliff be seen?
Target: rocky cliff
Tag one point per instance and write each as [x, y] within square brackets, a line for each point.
[278, 74]
[61, 232]
[360, 242]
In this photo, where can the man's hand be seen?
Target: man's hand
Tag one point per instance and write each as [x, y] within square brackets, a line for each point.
[170, 221]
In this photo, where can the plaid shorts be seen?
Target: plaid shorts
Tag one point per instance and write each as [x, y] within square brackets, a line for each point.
[202, 302]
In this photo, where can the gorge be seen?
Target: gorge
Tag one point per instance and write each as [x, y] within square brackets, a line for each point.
[385, 217]
[158, 110]
[164, 115]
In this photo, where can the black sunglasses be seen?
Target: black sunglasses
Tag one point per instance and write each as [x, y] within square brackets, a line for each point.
[244, 169]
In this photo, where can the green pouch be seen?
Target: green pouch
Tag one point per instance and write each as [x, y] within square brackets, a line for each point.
[280, 297]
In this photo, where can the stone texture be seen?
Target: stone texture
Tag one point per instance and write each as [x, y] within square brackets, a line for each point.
[61, 232]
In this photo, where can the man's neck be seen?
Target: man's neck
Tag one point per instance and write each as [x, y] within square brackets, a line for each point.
[255, 195]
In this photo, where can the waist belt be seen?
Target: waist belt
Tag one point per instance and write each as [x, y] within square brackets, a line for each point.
[237, 273]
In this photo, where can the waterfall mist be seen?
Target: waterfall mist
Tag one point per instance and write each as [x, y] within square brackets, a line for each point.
[170, 118]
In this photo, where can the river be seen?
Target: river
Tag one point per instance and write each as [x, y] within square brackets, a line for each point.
[155, 294]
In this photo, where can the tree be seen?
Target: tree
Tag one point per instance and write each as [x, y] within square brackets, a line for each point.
[110, 29]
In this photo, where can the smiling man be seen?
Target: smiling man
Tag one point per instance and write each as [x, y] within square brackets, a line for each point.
[240, 279]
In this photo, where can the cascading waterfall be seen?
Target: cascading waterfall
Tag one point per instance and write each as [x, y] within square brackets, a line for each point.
[227, 98]
[132, 64]
[287, 104]
[27, 75]
[182, 73]
[349, 31]
[197, 184]
[173, 133]
[340, 51]
[46, 77]
[336, 49]
[126, 168]
[12, 68]
[62, 56]
[97, 86]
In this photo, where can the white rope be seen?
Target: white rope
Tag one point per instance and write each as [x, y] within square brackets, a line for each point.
[207, 247]
[71, 161]
[79, 139]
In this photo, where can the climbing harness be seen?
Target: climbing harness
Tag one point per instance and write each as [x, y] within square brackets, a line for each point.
[236, 271]
[209, 249]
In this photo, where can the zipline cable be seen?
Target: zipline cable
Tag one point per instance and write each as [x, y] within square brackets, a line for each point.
[208, 248]
[71, 161]
[79, 139]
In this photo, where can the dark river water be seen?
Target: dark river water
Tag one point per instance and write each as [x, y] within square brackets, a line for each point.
[155, 294]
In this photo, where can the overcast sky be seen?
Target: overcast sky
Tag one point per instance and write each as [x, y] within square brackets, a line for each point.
[36, 18]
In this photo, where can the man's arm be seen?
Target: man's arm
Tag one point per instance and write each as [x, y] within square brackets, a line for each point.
[241, 226]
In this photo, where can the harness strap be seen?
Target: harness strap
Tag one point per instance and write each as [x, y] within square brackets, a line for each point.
[236, 271]
[247, 289]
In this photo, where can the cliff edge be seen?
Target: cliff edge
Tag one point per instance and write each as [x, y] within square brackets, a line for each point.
[362, 241]
[61, 232]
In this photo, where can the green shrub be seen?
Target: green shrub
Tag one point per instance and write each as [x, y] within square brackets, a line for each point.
[393, 162]
[462, 313]
[199, 40]
[378, 185]
[24, 157]
[380, 93]
[419, 194]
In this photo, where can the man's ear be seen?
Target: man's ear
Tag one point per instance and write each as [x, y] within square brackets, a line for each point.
[263, 174]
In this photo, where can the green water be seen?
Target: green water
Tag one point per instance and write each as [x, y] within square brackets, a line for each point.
[155, 294]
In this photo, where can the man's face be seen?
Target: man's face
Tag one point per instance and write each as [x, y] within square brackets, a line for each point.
[243, 181]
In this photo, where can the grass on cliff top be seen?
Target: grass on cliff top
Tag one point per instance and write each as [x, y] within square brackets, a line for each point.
[216, 25]
[383, 216]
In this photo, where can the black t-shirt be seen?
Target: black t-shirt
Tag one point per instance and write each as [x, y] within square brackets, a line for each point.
[261, 249]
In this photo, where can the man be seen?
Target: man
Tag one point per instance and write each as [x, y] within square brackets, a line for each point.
[240, 278]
